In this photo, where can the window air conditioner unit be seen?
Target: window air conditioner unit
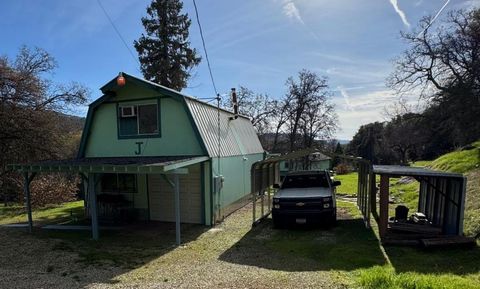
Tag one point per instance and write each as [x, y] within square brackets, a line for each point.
[127, 111]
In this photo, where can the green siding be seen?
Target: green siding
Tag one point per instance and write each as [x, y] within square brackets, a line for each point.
[178, 136]
[321, 165]
[236, 172]
[131, 91]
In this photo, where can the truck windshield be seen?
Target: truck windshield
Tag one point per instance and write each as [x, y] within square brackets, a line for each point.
[305, 181]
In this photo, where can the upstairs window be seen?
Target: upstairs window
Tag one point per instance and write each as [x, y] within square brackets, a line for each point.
[138, 120]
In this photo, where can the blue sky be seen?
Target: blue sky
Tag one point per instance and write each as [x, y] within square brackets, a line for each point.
[255, 43]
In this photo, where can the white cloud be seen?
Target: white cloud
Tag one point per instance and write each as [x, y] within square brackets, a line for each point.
[467, 4]
[356, 109]
[400, 12]
[291, 11]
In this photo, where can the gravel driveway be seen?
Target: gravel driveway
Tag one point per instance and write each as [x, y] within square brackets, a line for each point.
[231, 255]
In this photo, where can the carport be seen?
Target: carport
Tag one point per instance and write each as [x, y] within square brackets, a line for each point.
[441, 197]
[266, 173]
[92, 168]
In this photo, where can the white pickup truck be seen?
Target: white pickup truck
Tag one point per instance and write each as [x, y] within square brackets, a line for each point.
[305, 197]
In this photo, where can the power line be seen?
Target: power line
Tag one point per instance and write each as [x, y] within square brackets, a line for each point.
[216, 94]
[205, 50]
[118, 32]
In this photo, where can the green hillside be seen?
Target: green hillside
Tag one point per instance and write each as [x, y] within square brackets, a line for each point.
[461, 161]
[465, 161]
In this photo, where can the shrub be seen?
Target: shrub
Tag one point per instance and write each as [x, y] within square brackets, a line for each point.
[342, 169]
[52, 189]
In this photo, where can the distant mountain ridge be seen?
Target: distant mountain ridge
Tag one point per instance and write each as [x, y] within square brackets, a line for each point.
[71, 123]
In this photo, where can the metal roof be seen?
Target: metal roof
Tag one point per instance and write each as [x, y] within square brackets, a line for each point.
[237, 136]
[162, 164]
[412, 171]
[318, 156]
[306, 152]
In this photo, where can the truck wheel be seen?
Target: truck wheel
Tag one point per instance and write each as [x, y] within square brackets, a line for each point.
[277, 224]
[333, 220]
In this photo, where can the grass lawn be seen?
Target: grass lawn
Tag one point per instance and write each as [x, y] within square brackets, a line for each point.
[404, 194]
[231, 255]
[58, 213]
[349, 183]
[421, 163]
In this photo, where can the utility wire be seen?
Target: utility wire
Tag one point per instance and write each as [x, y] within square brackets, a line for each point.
[118, 32]
[205, 50]
[218, 98]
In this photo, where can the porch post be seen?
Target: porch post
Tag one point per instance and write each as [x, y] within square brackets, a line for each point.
[28, 202]
[384, 193]
[177, 210]
[262, 196]
[373, 194]
[253, 191]
[92, 197]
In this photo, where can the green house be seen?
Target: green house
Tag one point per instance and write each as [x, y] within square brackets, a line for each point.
[316, 161]
[152, 153]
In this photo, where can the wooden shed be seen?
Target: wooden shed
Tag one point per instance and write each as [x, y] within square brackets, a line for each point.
[441, 199]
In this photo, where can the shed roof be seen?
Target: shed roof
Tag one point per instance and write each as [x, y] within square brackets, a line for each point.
[161, 164]
[411, 171]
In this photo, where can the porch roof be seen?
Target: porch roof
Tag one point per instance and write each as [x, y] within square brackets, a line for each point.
[151, 165]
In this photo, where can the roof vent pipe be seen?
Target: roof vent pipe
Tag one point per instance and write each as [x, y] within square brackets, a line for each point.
[234, 101]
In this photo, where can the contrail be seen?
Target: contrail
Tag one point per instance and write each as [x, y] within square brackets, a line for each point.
[400, 12]
[434, 18]
[346, 97]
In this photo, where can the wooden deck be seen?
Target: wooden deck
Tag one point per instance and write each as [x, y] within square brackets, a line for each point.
[425, 236]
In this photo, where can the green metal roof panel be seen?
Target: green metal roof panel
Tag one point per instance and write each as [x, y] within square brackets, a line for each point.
[237, 136]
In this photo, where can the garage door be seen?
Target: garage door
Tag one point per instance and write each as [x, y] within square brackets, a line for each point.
[162, 194]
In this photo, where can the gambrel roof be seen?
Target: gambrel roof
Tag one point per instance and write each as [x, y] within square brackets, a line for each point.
[237, 135]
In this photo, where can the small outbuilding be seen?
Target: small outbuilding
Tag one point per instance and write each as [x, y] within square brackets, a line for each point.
[441, 202]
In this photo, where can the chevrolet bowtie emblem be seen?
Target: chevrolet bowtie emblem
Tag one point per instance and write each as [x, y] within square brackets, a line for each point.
[300, 204]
